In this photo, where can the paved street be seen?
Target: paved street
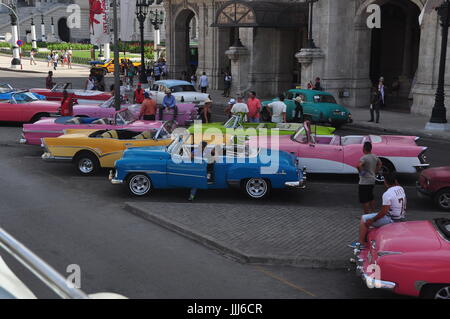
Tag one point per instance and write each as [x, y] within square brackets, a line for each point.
[67, 219]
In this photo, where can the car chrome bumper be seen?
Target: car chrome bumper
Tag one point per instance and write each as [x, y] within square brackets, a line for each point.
[297, 185]
[49, 158]
[368, 280]
[421, 167]
[423, 192]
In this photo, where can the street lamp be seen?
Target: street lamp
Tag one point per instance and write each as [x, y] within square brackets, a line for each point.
[311, 43]
[156, 19]
[439, 114]
[141, 15]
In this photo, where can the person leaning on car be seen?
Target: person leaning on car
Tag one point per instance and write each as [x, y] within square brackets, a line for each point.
[368, 165]
[148, 109]
[169, 102]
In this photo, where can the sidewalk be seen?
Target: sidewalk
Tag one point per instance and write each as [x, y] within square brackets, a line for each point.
[397, 123]
[300, 236]
[390, 122]
[43, 68]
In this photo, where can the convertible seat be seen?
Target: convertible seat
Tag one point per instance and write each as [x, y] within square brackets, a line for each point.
[74, 120]
[110, 134]
[143, 136]
[100, 121]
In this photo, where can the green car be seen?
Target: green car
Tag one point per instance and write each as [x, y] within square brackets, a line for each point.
[318, 107]
[240, 128]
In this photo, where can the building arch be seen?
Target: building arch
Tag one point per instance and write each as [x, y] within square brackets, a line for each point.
[380, 53]
[185, 56]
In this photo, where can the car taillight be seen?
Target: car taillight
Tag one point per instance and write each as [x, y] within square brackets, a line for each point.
[423, 157]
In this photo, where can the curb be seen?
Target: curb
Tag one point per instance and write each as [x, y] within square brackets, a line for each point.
[412, 132]
[223, 249]
[21, 71]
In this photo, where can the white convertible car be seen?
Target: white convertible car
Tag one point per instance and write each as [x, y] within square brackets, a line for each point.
[184, 92]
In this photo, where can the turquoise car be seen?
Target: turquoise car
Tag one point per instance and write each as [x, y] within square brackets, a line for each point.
[318, 107]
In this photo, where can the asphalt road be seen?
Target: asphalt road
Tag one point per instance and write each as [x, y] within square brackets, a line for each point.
[67, 219]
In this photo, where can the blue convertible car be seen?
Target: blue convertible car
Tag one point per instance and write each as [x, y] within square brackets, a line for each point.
[7, 91]
[255, 171]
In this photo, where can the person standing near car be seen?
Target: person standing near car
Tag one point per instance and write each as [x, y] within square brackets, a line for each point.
[277, 110]
[206, 112]
[393, 210]
[368, 166]
[254, 107]
[240, 108]
[230, 105]
[375, 105]
[138, 94]
[299, 114]
[49, 83]
[148, 108]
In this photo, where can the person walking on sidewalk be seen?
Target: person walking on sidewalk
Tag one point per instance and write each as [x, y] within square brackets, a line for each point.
[32, 60]
[49, 83]
[381, 89]
[204, 83]
[55, 60]
[375, 105]
[368, 166]
[254, 107]
[227, 84]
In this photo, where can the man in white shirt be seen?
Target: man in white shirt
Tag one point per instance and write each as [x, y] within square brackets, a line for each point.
[277, 110]
[392, 211]
[204, 82]
[239, 107]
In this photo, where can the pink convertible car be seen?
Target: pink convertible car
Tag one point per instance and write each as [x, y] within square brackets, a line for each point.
[187, 112]
[340, 154]
[54, 127]
[409, 258]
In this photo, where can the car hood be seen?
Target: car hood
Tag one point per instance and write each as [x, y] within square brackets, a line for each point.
[404, 237]
[191, 96]
[148, 151]
[264, 141]
[437, 172]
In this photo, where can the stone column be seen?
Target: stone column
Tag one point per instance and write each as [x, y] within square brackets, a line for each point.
[311, 62]
[33, 35]
[405, 77]
[43, 36]
[240, 58]
[52, 28]
[107, 49]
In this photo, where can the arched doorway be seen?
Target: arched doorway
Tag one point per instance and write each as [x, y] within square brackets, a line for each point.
[186, 48]
[394, 51]
[63, 30]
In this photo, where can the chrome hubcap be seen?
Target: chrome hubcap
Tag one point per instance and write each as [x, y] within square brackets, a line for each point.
[140, 185]
[256, 187]
[444, 293]
[86, 166]
[444, 200]
[380, 175]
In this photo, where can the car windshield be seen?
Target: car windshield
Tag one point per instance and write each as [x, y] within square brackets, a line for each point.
[107, 103]
[6, 88]
[324, 99]
[182, 88]
[125, 117]
[300, 136]
[23, 97]
[443, 225]
[233, 122]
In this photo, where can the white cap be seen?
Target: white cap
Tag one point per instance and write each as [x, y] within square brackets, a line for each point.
[232, 101]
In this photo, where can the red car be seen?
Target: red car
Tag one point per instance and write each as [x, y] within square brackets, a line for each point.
[26, 107]
[80, 96]
[434, 183]
[408, 258]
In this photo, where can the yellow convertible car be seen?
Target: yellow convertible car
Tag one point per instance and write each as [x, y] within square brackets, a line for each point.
[91, 150]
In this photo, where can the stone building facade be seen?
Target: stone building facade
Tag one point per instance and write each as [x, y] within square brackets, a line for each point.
[273, 55]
